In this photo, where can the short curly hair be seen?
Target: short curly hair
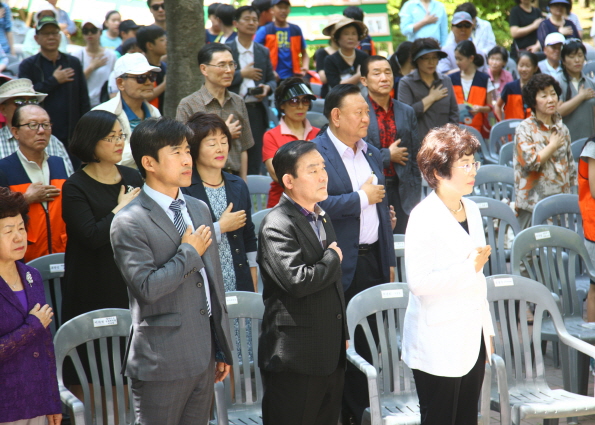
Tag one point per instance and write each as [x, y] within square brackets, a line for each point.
[203, 125]
[537, 83]
[13, 204]
[440, 148]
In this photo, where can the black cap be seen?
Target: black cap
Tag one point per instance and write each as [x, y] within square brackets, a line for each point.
[128, 25]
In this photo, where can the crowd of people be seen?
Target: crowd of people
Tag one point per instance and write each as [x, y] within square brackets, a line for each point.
[154, 214]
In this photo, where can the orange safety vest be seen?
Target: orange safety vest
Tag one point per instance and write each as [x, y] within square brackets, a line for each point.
[514, 108]
[477, 94]
[585, 200]
[295, 45]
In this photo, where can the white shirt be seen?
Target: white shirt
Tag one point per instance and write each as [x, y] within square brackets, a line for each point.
[99, 76]
[546, 68]
[483, 36]
[35, 172]
[359, 171]
[164, 202]
[246, 58]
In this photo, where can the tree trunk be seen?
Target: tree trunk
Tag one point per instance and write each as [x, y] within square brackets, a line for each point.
[185, 37]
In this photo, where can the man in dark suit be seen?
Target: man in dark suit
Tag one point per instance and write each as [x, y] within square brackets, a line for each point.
[393, 130]
[303, 338]
[254, 72]
[357, 205]
[180, 340]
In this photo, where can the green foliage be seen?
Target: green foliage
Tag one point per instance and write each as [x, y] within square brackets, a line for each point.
[496, 12]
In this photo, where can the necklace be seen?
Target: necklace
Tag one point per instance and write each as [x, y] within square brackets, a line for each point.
[345, 56]
[457, 211]
[214, 185]
[14, 285]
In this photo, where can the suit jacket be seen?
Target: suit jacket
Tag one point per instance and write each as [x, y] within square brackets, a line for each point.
[27, 359]
[242, 240]
[262, 61]
[448, 307]
[344, 208]
[303, 327]
[409, 175]
[171, 331]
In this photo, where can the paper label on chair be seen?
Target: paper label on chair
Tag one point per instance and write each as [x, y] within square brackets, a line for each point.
[392, 293]
[57, 268]
[504, 281]
[399, 245]
[542, 235]
[514, 124]
[105, 321]
[482, 205]
[231, 300]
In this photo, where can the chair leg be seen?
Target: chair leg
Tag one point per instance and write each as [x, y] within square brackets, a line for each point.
[556, 354]
[583, 373]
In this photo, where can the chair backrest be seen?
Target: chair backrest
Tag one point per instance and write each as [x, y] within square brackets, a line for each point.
[498, 220]
[485, 153]
[103, 332]
[589, 68]
[425, 188]
[577, 148]
[257, 219]
[550, 255]
[246, 309]
[502, 133]
[400, 272]
[517, 341]
[316, 89]
[511, 67]
[388, 303]
[562, 209]
[51, 268]
[495, 181]
[506, 153]
[318, 106]
[259, 187]
[316, 119]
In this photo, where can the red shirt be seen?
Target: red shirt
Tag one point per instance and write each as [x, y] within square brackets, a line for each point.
[271, 142]
[387, 129]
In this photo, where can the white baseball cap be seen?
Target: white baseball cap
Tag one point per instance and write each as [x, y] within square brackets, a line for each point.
[135, 64]
[554, 38]
[95, 21]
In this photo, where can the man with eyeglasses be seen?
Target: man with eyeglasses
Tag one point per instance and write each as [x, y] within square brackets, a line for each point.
[135, 78]
[462, 27]
[59, 75]
[13, 94]
[39, 177]
[255, 72]
[218, 67]
[157, 8]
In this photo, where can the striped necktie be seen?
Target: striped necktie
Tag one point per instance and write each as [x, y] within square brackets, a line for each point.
[176, 207]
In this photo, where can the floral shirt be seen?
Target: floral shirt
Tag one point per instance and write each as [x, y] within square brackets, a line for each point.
[536, 180]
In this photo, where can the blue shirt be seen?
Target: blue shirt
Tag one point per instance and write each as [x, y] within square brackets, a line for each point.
[108, 42]
[5, 27]
[284, 64]
[133, 119]
[413, 11]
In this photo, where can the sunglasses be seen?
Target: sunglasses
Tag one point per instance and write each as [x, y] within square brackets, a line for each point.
[142, 79]
[465, 25]
[156, 7]
[87, 31]
[20, 102]
[295, 101]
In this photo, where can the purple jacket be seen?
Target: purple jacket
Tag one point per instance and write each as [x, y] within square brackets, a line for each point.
[27, 360]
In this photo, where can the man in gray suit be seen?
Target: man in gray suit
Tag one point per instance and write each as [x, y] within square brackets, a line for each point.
[254, 72]
[301, 351]
[179, 341]
[393, 130]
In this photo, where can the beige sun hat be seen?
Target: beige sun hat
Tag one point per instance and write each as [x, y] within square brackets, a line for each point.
[19, 87]
[329, 29]
[343, 22]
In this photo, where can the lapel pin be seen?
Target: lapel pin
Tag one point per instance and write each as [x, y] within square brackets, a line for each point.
[370, 154]
[29, 278]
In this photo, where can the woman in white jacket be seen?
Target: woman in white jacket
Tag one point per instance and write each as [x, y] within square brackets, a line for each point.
[448, 328]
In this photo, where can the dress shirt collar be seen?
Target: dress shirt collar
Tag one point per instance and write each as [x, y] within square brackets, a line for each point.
[24, 159]
[287, 132]
[342, 147]
[130, 113]
[556, 121]
[242, 49]
[208, 97]
[162, 199]
[313, 215]
[378, 108]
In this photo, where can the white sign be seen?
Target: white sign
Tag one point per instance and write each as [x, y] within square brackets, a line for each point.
[57, 268]
[504, 281]
[105, 321]
[482, 205]
[542, 235]
[231, 300]
[399, 245]
[392, 293]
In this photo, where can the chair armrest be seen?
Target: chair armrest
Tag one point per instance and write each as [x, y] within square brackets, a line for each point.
[371, 374]
[75, 406]
[576, 343]
[220, 404]
[502, 380]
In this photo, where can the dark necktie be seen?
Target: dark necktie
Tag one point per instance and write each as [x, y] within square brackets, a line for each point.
[176, 207]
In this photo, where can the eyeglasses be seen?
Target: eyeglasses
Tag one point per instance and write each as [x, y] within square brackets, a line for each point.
[156, 7]
[295, 101]
[469, 167]
[93, 31]
[142, 79]
[49, 33]
[225, 66]
[35, 125]
[21, 101]
[114, 139]
[465, 25]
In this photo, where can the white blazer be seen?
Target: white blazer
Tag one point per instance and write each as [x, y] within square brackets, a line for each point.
[448, 307]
